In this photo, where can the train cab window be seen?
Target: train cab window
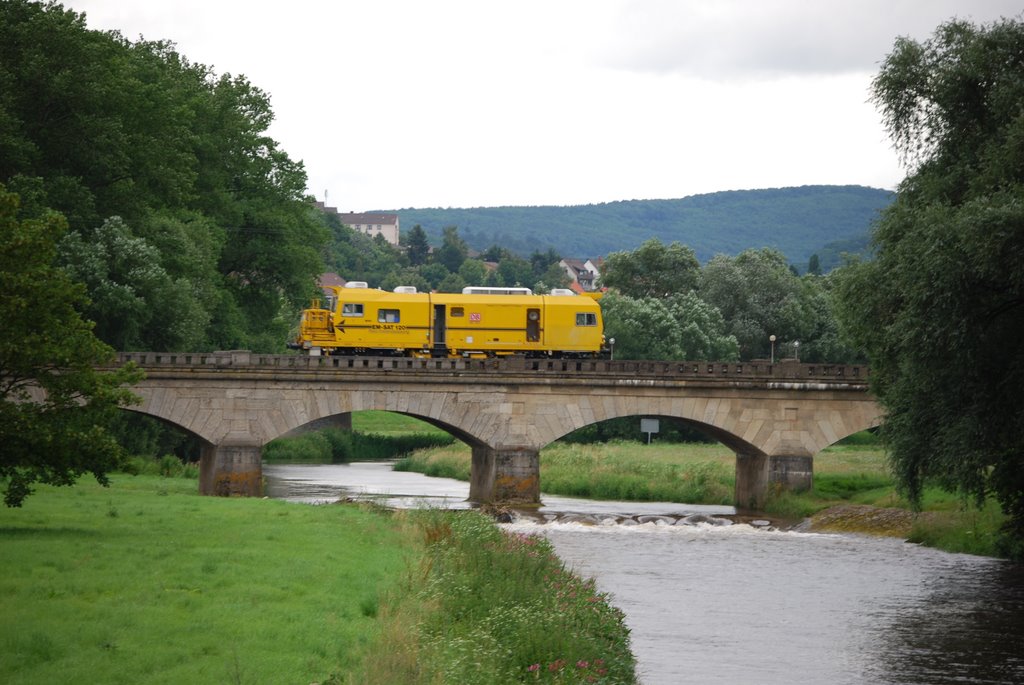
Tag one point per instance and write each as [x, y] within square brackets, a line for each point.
[351, 309]
[388, 316]
[586, 319]
[458, 311]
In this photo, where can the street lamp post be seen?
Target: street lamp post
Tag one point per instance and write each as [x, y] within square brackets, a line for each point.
[796, 349]
[611, 342]
[772, 338]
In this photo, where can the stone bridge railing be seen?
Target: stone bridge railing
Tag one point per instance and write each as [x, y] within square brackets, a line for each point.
[785, 370]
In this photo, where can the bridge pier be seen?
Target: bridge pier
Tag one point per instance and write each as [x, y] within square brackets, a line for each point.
[233, 467]
[757, 474]
[505, 475]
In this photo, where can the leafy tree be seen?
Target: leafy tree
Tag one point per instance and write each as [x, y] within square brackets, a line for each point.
[554, 276]
[514, 272]
[434, 273]
[824, 340]
[417, 246]
[406, 276]
[759, 296]
[679, 327]
[702, 330]
[473, 272]
[642, 328]
[940, 310]
[453, 250]
[452, 283]
[495, 253]
[47, 346]
[814, 265]
[652, 270]
[540, 261]
[135, 303]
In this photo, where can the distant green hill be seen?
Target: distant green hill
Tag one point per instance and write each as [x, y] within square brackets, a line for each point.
[798, 221]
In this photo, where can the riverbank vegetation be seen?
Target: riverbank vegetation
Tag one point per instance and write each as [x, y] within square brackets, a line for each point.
[850, 479]
[487, 606]
[147, 581]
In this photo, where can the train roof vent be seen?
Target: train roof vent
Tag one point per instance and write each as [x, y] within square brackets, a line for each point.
[407, 289]
[483, 290]
[357, 284]
[563, 292]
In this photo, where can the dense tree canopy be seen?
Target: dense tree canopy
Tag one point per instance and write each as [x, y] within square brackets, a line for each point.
[652, 270]
[727, 309]
[759, 296]
[940, 309]
[95, 127]
[48, 347]
[679, 327]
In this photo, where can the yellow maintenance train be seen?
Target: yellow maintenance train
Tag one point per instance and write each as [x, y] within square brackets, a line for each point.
[479, 322]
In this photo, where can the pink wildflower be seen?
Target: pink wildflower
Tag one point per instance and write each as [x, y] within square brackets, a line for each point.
[533, 667]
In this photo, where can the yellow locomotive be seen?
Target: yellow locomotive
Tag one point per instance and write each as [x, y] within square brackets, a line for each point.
[479, 322]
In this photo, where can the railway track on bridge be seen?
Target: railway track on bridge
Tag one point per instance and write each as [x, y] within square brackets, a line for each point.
[759, 372]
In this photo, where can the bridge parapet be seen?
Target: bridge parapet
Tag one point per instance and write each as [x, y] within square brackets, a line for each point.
[753, 370]
[775, 417]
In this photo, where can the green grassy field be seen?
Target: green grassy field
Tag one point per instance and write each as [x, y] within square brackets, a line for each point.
[389, 423]
[147, 582]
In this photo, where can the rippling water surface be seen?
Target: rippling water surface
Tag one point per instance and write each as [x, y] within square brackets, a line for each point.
[741, 604]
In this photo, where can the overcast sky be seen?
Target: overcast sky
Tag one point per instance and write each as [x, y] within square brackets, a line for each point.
[447, 103]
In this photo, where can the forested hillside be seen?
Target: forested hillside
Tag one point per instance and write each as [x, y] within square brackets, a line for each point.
[798, 222]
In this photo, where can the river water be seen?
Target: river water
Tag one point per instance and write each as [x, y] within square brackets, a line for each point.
[710, 600]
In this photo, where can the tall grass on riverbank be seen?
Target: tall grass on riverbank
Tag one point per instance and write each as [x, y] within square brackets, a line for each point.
[148, 582]
[854, 472]
[614, 470]
[632, 471]
[486, 606]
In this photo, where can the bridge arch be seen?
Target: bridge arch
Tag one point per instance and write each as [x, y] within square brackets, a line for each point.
[775, 417]
[711, 431]
[745, 426]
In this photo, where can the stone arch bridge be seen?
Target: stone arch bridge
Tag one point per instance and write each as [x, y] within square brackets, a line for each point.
[775, 417]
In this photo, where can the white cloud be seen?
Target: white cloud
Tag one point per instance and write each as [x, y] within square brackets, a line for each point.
[747, 39]
[402, 103]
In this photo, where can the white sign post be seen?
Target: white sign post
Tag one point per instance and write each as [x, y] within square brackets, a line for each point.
[649, 426]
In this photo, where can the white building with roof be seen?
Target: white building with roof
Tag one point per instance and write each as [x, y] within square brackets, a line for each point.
[371, 224]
